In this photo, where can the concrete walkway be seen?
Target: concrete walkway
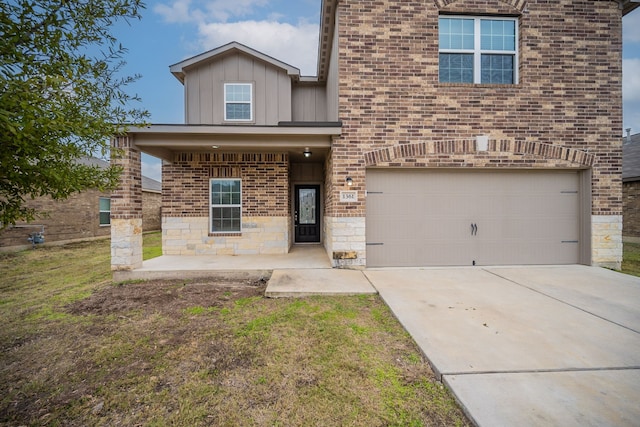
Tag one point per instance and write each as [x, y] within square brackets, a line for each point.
[300, 283]
[526, 346]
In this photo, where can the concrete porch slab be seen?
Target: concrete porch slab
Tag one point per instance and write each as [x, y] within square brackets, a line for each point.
[196, 266]
[307, 282]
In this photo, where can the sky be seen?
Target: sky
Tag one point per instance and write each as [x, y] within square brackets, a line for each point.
[173, 30]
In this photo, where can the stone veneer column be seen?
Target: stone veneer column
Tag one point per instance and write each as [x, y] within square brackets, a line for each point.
[606, 240]
[126, 207]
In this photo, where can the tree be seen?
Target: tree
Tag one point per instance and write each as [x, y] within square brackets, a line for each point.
[62, 97]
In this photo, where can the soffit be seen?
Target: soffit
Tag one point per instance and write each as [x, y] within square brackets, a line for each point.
[164, 140]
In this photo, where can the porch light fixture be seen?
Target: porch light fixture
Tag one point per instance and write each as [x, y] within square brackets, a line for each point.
[307, 152]
[215, 147]
[349, 181]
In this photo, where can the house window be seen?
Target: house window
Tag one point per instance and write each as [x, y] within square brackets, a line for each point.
[478, 50]
[226, 205]
[105, 211]
[238, 99]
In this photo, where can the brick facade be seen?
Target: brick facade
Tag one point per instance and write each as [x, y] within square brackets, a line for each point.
[151, 211]
[265, 182]
[266, 207]
[564, 112]
[126, 207]
[76, 218]
[126, 199]
[568, 95]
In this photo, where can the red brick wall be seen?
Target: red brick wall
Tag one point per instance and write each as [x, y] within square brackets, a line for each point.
[265, 182]
[569, 90]
[126, 200]
[78, 217]
[151, 211]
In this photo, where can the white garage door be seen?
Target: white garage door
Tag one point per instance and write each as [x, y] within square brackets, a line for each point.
[431, 218]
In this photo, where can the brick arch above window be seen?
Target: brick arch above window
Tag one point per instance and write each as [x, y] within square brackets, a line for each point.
[519, 5]
[463, 152]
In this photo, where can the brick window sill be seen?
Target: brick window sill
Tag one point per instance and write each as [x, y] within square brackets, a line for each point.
[225, 234]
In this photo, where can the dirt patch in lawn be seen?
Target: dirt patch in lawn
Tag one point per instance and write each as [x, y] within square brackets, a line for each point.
[170, 297]
[214, 352]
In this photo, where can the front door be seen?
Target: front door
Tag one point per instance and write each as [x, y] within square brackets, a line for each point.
[307, 213]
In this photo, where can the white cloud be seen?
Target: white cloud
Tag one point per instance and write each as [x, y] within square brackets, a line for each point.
[631, 79]
[296, 45]
[631, 110]
[631, 93]
[222, 10]
[631, 28]
[177, 12]
[182, 11]
[151, 167]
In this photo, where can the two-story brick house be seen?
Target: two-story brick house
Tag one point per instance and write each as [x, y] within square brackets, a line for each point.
[438, 132]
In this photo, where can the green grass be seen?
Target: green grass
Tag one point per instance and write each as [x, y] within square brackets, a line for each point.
[152, 245]
[631, 260]
[76, 349]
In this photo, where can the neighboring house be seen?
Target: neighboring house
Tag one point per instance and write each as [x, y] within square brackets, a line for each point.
[83, 216]
[436, 132]
[631, 188]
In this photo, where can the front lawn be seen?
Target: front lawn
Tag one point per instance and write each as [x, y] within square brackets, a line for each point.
[631, 259]
[79, 350]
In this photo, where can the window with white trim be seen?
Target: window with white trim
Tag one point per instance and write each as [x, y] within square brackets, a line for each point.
[226, 205]
[105, 211]
[478, 50]
[238, 102]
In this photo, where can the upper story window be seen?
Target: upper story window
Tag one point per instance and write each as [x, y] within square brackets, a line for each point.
[478, 50]
[238, 102]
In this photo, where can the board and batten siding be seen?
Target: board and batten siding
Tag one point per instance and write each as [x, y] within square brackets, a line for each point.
[204, 90]
[309, 103]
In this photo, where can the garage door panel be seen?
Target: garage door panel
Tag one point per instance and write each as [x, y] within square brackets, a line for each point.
[421, 218]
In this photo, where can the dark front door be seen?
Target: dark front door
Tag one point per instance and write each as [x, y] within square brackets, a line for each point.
[307, 214]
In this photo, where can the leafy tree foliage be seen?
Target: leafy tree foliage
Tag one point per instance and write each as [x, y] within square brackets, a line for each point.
[62, 97]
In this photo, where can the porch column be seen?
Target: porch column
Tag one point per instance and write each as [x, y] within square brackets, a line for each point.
[126, 207]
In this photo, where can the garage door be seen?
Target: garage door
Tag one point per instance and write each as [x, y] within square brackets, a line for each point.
[432, 218]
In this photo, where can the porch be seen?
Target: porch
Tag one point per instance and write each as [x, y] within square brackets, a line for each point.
[188, 267]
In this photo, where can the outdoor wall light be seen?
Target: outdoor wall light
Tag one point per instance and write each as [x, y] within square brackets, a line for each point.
[307, 152]
[349, 181]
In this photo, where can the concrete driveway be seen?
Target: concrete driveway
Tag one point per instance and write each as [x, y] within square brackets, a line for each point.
[526, 346]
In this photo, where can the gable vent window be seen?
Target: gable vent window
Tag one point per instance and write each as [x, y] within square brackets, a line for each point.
[238, 102]
[478, 50]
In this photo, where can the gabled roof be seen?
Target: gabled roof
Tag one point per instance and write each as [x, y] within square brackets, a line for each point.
[629, 5]
[148, 184]
[151, 185]
[179, 69]
[631, 158]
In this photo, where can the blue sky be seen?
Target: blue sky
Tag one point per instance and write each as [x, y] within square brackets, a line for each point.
[172, 30]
